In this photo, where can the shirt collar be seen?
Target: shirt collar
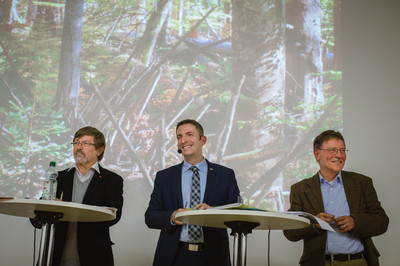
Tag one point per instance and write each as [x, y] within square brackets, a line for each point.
[202, 166]
[338, 178]
[95, 167]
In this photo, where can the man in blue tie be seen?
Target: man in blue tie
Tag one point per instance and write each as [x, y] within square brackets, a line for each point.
[198, 184]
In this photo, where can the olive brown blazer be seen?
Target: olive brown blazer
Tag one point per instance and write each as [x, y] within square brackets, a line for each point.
[369, 217]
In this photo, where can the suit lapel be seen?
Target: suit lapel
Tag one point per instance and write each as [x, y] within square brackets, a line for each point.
[67, 187]
[351, 190]
[314, 195]
[92, 188]
[177, 183]
[211, 180]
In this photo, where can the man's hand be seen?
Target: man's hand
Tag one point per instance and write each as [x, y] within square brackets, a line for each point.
[327, 217]
[201, 206]
[344, 223]
[173, 217]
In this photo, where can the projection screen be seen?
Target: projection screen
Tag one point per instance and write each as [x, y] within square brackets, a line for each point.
[262, 77]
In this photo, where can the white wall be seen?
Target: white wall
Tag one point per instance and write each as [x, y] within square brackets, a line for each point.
[371, 92]
[371, 106]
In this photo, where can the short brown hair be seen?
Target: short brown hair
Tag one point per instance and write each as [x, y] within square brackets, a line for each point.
[99, 140]
[325, 136]
[198, 126]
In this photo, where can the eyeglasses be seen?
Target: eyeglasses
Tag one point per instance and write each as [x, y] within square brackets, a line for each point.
[335, 150]
[85, 144]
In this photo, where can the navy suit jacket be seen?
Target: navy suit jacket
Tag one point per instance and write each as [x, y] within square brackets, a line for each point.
[94, 243]
[221, 188]
[369, 217]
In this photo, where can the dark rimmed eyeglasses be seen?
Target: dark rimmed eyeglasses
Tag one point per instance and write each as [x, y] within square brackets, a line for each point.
[335, 150]
[85, 144]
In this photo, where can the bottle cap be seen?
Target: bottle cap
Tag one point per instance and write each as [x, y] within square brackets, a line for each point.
[52, 163]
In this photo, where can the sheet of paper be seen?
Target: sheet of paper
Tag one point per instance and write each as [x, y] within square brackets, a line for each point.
[324, 225]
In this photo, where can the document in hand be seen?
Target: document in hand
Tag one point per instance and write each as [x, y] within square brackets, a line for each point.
[238, 206]
[313, 219]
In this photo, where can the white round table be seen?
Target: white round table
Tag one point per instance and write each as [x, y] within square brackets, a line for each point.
[242, 222]
[72, 212]
[51, 212]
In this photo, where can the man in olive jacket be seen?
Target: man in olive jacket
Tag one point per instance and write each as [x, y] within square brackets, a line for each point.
[345, 200]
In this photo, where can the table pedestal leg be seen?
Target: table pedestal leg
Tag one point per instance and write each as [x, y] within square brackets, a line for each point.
[240, 230]
[43, 247]
[239, 249]
[48, 219]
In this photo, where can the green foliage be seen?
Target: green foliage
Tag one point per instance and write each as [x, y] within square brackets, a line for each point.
[304, 165]
[27, 145]
[112, 30]
[327, 18]
[49, 4]
[29, 123]
[225, 96]
[331, 74]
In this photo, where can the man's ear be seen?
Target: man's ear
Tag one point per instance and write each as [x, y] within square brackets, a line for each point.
[99, 151]
[316, 154]
[203, 140]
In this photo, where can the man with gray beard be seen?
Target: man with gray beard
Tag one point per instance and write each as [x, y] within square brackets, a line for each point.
[86, 182]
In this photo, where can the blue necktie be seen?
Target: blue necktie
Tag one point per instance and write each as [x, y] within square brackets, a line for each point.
[195, 230]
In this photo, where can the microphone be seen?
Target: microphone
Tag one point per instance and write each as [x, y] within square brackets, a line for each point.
[179, 150]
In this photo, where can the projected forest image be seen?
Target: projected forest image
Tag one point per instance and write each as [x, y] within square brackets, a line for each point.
[262, 77]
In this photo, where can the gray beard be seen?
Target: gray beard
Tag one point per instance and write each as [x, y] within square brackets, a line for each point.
[80, 160]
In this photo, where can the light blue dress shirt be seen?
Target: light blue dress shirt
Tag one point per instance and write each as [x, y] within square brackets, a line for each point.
[186, 189]
[335, 202]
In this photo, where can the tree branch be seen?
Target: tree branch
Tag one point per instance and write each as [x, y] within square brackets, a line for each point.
[124, 136]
